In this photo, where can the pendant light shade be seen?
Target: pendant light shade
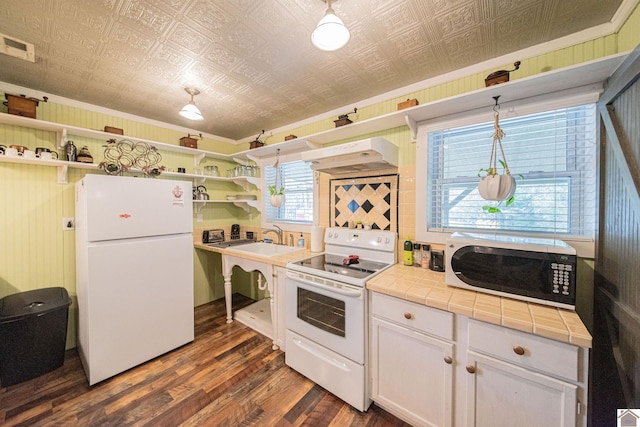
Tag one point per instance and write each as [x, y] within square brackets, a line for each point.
[330, 33]
[190, 111]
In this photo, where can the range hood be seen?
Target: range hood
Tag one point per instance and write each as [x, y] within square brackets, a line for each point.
[359, 156]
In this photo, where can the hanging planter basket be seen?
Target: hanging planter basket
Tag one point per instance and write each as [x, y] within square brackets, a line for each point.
[495, 186]
[277, 200]
[276, 192]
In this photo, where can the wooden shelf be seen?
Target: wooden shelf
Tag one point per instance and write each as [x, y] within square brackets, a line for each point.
[63, 166]
[246, 205]
[591, 73]
[64, 131]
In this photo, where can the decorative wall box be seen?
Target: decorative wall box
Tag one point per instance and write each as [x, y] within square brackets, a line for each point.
[21, 106]
[500, 76]
[114, 130]
[342, 121]
[187, 141]
[408, 103]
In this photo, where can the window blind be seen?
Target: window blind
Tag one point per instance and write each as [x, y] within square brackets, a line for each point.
[551, 155]
[297, 180]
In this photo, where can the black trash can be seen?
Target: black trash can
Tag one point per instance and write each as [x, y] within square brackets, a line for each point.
[33, 333]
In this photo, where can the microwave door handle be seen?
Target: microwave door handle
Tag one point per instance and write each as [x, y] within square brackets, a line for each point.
[348, 293]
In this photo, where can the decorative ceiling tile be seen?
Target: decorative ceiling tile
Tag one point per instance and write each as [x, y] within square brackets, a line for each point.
[253, 59]
[144, 14]
[459, 19]
[187, 38]
[210, 16]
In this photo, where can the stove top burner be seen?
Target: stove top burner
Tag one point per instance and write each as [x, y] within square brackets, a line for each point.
[334, 264]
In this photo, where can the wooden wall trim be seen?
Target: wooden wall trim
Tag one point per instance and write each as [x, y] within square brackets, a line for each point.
[621, 147]
[614, 313]
[624, 76]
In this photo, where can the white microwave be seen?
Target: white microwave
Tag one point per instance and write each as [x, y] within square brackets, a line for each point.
[530, 269]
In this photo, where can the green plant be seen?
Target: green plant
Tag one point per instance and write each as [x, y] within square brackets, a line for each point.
[273, 192]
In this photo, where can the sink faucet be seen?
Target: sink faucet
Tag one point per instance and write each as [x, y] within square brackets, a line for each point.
[277, 231]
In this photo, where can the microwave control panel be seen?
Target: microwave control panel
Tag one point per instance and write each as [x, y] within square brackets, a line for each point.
[562, 278]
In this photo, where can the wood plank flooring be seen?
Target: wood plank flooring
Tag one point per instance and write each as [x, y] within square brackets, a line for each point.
[228, 376]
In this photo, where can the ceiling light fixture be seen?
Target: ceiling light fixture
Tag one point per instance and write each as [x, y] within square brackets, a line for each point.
[190, 111]
[330, 33]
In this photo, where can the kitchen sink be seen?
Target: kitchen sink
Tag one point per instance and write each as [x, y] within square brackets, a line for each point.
[264, 249]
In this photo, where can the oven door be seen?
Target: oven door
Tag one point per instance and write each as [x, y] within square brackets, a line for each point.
[330, 313]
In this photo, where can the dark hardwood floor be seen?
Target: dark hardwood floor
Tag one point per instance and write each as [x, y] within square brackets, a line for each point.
[228, 376]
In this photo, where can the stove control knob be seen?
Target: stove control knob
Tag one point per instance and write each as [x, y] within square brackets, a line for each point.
[387, 241]
[379, 240]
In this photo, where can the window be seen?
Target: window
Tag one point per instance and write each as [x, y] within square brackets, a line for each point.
[297, 179]
[551, 155]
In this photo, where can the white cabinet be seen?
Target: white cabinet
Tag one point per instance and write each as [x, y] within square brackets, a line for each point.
[431, 367]
[501, 394]
[514, 378]
[411, 365]
[278, 296]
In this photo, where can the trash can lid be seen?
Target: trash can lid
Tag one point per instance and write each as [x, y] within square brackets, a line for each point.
[32, 303]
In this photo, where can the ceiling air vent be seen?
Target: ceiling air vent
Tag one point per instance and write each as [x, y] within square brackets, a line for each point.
[17, 48]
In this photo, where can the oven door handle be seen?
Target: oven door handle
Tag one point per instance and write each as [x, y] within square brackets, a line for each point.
[346, 292]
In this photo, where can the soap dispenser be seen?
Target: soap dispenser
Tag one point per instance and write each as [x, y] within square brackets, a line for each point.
[301, 241]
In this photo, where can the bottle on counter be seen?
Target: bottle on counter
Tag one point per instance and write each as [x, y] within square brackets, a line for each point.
[301, 241]
[426, 256]
[417, 257]
[408, 252]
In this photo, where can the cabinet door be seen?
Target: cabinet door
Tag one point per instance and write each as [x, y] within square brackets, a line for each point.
[500, 394]
[412, 374]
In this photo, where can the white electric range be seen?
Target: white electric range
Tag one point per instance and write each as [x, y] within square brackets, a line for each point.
[326, 315]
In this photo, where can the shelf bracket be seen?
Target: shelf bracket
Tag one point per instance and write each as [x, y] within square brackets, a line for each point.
[61, 136]
[242, 182]
[198, 206]
[413, 127]
[312, 145]
[198, 180]
[247, 205]
[197, 158]
[253, 158]
[241, 161]
[62, 174]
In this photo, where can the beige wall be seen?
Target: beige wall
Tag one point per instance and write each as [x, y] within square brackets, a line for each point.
[35, 252]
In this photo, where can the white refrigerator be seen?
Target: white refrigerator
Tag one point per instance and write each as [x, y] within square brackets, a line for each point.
[134, 271]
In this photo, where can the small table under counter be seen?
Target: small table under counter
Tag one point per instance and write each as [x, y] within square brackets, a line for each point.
[446, 356]
[272, 268]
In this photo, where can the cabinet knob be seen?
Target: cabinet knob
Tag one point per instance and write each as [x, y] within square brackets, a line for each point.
[408, 315]
[518, 350]
[471, 369]
[448, 360]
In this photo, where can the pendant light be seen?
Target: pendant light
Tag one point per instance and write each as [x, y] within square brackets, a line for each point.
[190, 111]
[330, 33]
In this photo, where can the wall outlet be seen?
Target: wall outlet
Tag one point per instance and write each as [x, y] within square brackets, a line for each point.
[68, 223]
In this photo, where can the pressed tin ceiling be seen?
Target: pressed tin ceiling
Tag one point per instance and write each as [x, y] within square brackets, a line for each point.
[253, 60]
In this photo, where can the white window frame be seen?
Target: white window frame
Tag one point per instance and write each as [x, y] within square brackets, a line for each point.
[285, 225]
[571, 98]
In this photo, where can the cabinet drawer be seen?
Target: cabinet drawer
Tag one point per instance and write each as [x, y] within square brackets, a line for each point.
[543, 354]
[425, 319]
